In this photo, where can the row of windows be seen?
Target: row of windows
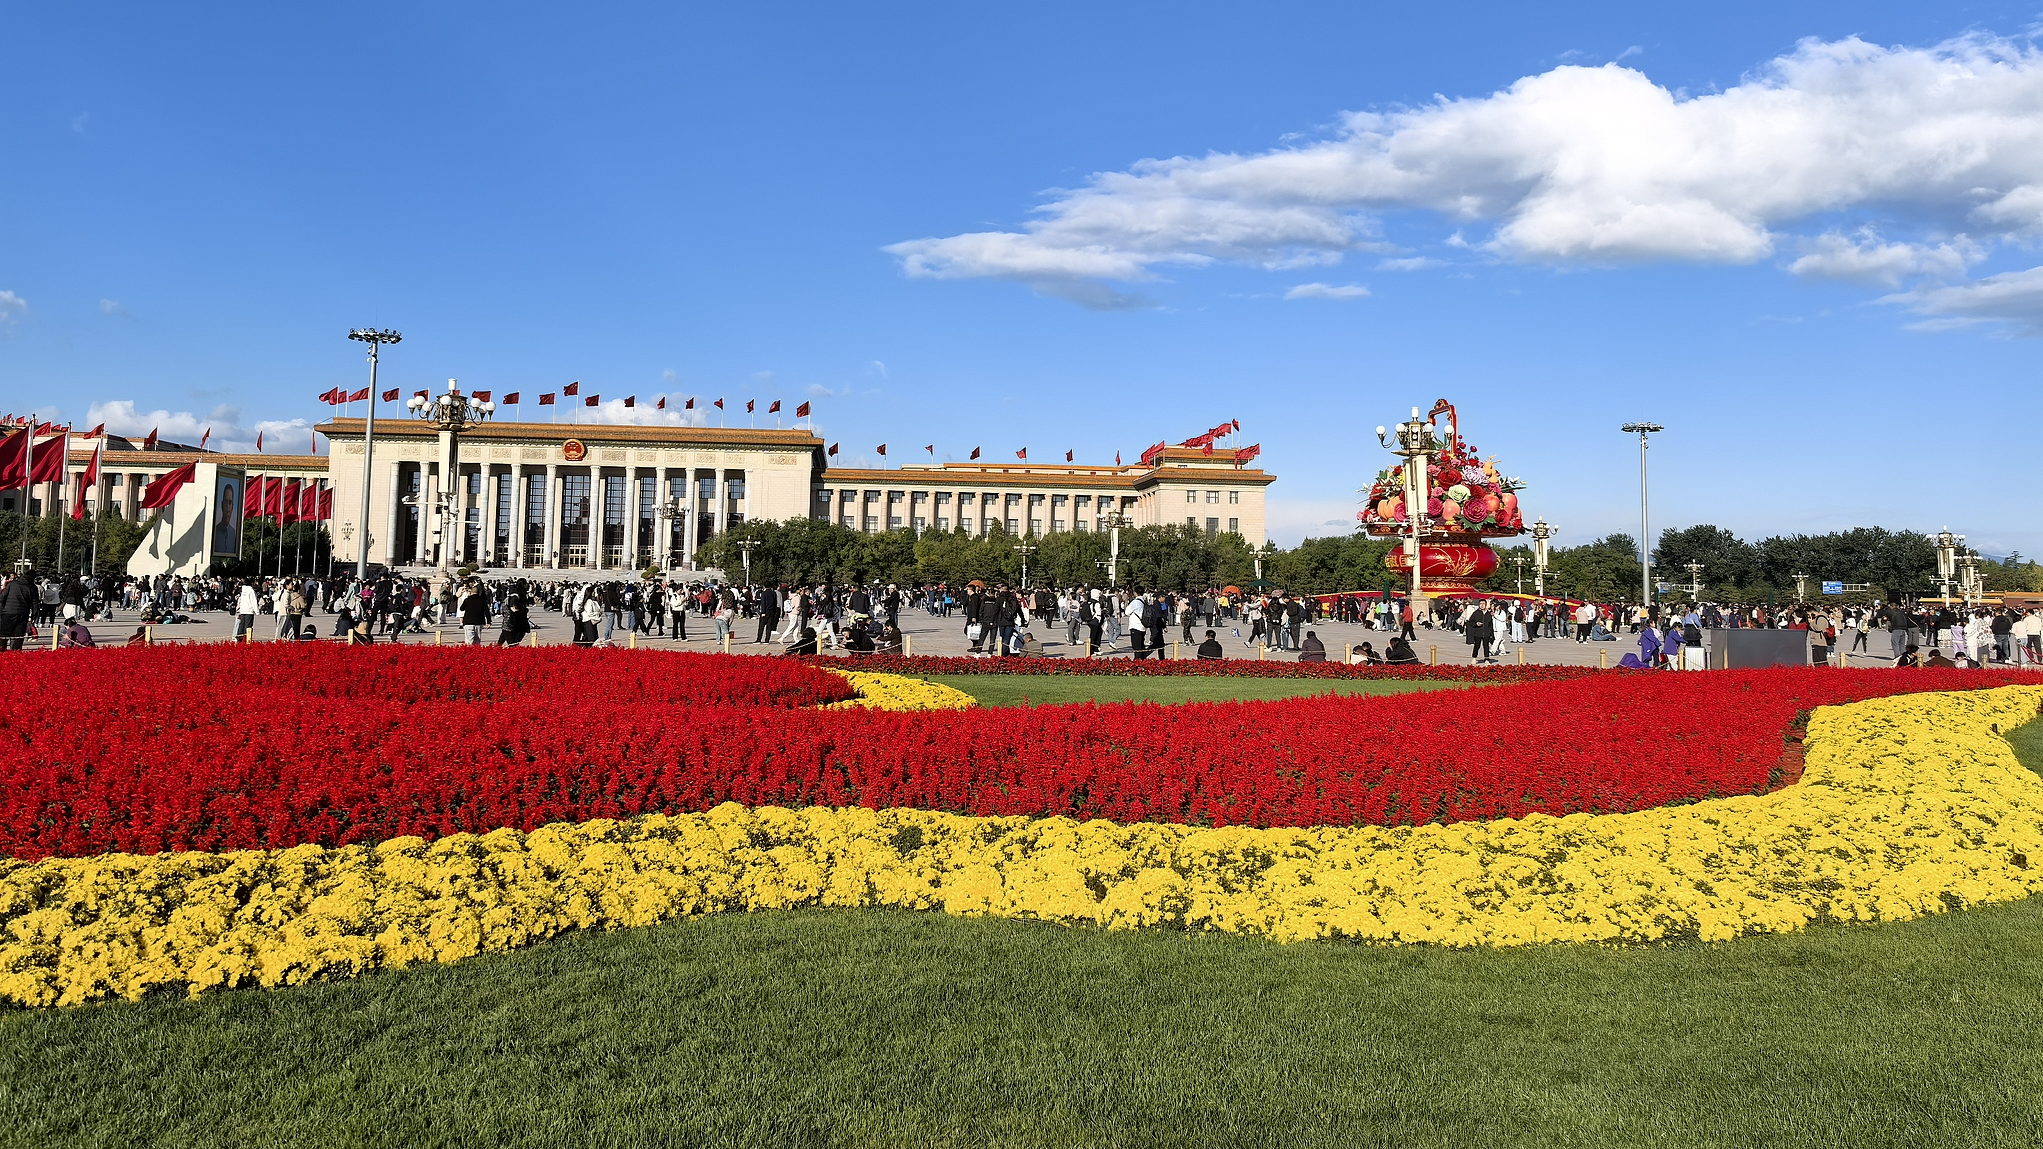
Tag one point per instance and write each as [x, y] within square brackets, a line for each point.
[970, 498]
[1213, 496]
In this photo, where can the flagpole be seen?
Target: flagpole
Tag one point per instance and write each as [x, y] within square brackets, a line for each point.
[28, 484]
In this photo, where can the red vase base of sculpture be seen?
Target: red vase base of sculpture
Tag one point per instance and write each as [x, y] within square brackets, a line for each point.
[1446, 568]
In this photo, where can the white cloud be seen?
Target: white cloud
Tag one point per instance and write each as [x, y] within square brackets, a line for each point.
[1865, 258]
[645, 412]
[12, 307]
[2014, 298]
[1409, 263]
[1327, 291]
[123, 418]
[1583, 165]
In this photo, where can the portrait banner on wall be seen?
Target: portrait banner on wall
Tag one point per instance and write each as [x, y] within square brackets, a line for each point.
[226, 510]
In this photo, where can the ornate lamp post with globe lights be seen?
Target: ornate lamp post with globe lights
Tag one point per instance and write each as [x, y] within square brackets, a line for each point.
[1417, 446]
[1542, 534]
[1947, 558]
[452, 413]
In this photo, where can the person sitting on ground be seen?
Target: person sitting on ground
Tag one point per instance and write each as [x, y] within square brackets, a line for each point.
[1365, 655]
[1936, 658]
[309, 634]
[1400, 652]
[859, 639]
[806, 644]
[889, 641]
[1312, 649]
[343, 623]
[140, 637]
[360, 635]
[75, 635]
[1211, 647]
[1031, 646]
[1907, 658]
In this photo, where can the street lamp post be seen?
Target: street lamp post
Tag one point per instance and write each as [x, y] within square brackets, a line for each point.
[1645, 529]
[347, 533]
[1417, 444]
[1114, 521]
[671, 512]
[1024, 550]
[1541, 533]
[1947, 558]
[1801, 586]
[452, 413]
[1519, 561]
[745, 547]
[1695, 582]
[375, 339]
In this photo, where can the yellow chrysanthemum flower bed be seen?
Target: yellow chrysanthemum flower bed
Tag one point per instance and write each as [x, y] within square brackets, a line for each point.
[1908, 805]
[898, 692]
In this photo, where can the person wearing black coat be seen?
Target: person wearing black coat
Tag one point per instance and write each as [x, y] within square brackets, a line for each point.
[769, 614]
[17, 602]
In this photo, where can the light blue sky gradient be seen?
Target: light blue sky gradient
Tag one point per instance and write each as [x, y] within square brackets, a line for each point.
[200, 202]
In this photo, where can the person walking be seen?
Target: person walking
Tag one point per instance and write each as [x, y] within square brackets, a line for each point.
[769, 614]
[246, 604]
[474, 609]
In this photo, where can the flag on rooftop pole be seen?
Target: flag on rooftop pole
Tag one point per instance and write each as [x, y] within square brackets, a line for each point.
[511, 400]
[661, 405]
[975, 452]
[164, 487]
[89, 480]
[390, 396]
[631, 401]
[149, 444]
[204, 437]
[1022, 454]
[1067, 456]
[802, 412]
[689, 405]
[574, 388]
[832, 452]
[258, 442]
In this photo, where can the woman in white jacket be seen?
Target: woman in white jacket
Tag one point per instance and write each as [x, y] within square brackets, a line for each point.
[245, 609]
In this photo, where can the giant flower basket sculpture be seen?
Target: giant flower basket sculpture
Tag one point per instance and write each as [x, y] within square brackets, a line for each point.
[1467, 501]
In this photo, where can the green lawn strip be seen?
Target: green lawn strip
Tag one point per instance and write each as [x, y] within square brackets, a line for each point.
[875, 1027]
[1058, 689]
[2027, 739]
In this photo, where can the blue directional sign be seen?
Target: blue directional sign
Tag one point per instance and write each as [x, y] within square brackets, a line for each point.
[1833, 588]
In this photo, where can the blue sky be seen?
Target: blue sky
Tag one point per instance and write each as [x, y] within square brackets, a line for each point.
[961, 227]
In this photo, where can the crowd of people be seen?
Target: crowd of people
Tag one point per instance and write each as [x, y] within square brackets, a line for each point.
[996, 620]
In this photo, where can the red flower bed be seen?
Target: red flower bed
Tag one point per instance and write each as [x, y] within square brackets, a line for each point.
[214, 747]
[1188, 668]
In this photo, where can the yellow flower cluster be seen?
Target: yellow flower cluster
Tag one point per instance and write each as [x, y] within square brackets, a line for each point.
[1908, 805]
[896, 692]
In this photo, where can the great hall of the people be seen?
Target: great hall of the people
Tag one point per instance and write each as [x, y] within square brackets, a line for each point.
[609, 496]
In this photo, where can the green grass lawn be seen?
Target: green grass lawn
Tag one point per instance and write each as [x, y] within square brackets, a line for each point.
[853, 1028]
[1056, 689]
[2027, 740]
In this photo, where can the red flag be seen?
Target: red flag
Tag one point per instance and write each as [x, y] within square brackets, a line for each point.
[592, 400]
[511, 399]
[719, 404]
[330, 396]
[833, 450]
[1237, 424]
[204, 437]
[480, 396]
[661, 405]
[163, 488]
[14, 461]
[1022, 454]
[326, 504]
[273, 497]
[287, 505]
[748, 406]
[574, 388]
[358, 396]
[1117, 458]
[688, 406]
[1207, 449]
[546, 400]
[975, 452]
[1067, 456]
[149, 444]
[421, 395]
[802, 412]
[251, 499]
[90, 479]
[631, 400]
[1247, 453]
[52, 460]
[390, 396]
[775, 409]
[258, 441]
[931, 449]
[883, 450]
